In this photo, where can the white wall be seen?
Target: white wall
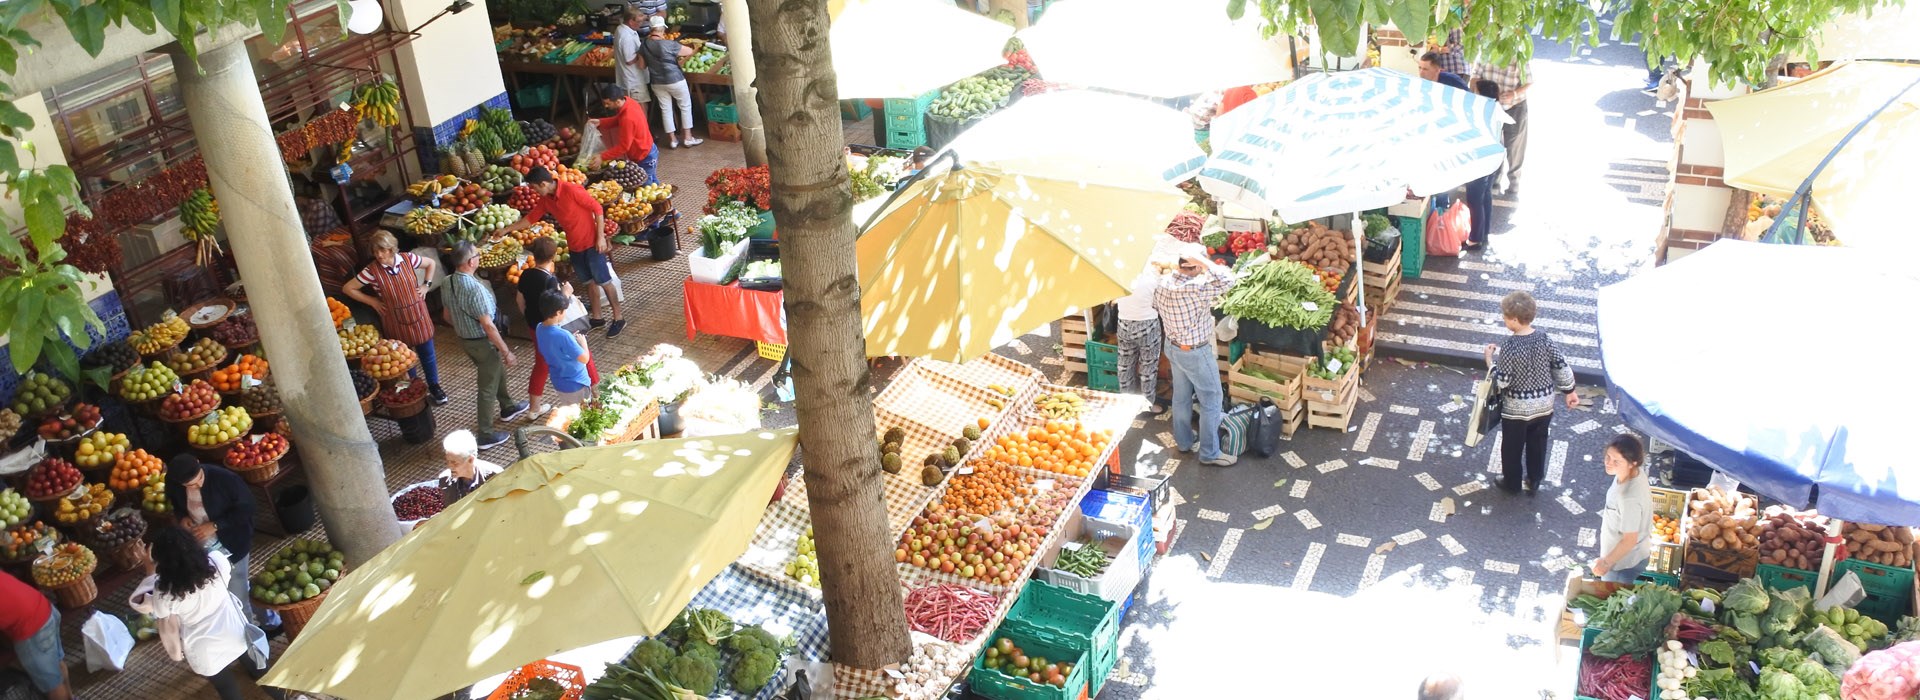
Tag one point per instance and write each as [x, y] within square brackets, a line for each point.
[46, 143]
[451, 67]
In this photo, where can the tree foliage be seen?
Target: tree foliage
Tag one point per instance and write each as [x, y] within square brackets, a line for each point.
[1737, 39]
[43, 300]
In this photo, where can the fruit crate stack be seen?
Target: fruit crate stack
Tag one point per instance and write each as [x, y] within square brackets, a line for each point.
[1103, 366]
[1331, 402]
[1665, 556]
[906, 120]
[1080, 623]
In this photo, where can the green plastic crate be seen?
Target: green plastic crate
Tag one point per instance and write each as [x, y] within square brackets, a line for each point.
[911, 105]
[1103, 379]
[1786, 578]
[854, 110]
[1886, 608]
[906, 140]
[1586, 640]
[1102, 355]
[764, 229]
[1083, 620]
[994, 685]
[722, 113]
[1668, 580]
[1890, 581]
[534, 96]
[1413, 245]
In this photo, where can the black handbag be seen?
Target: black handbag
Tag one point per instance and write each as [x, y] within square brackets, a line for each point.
[1267, 425]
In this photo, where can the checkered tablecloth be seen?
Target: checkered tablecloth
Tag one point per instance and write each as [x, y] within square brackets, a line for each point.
[751, 601]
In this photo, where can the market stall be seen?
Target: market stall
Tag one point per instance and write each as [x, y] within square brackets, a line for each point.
[546, 65]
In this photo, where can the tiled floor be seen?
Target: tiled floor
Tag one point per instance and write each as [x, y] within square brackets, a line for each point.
[654, 307]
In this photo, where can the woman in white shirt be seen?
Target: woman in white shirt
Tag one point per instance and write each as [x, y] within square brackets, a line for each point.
[199, 620]
[1626, 524]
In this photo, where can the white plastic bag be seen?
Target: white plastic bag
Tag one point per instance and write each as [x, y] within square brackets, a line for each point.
[1845, 592]
[107, 642]
[591, 144]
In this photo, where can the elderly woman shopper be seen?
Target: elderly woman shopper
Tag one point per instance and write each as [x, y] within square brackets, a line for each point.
[398, 280]
[1530, 372]
[668, 83]
[200, 621]
[465, 470]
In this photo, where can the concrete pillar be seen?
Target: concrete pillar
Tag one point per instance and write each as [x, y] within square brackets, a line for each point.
[746, 102]
[256, 203]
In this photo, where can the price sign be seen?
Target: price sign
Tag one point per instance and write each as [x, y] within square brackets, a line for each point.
[1310, 306]
[1070, 546]
[1334, 365]
[1043, 485]
[248, 382]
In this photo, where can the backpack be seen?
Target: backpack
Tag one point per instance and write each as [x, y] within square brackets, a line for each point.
[1236, 426]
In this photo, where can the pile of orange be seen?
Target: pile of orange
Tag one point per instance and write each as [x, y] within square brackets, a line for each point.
[1061, 447]
[992, 487]
[227, 379]
[131, 470]
[338, 310]
[1666, 529]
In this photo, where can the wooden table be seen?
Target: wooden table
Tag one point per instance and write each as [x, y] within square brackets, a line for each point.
[564, 75]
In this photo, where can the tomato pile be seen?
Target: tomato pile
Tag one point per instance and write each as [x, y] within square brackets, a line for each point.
[1006, 657]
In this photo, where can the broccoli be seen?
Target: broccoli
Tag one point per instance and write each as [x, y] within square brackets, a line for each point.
[751, 638]
[698, 674]
[709, 624]
[752, 671]
[701, 649]
[652, 654]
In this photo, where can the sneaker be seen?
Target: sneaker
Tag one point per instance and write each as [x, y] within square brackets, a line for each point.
[673, 144]
[1224, 460]
[492, 440]
[440, 398]
[614, 329]
[596, 323]
[695, 142]
[541, 411]
[517, 410]
[1183, 450]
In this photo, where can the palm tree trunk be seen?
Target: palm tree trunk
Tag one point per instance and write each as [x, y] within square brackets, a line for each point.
[813, 202]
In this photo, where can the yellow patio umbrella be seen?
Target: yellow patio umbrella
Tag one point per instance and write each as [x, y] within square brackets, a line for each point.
[972, 258]
[1776, 139]
[560, 551]
[903, 48]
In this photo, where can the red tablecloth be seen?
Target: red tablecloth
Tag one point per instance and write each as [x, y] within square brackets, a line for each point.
[734, 312]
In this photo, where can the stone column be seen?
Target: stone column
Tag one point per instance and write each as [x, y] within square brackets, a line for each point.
[263, 227]
[746, 102]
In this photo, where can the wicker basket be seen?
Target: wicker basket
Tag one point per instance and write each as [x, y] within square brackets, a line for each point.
[409, 410]
[366, 403]
[189, 420]
[227, 306]
[396, 376]
[78, 594]
[294, 616]
[160, 354]
[215, 453]
[258, 474]
[131, 556]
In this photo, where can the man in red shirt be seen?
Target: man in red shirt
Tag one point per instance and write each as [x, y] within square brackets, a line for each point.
[626, 131]
[31, 622]
[584, 222]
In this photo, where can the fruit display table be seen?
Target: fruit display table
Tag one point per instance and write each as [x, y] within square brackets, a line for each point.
[734, 312]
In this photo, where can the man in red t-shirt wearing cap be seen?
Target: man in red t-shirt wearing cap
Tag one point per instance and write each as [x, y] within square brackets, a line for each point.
[31, 622]
[584, 222]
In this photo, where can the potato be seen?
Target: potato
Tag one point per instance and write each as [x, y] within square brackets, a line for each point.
[1710, 531]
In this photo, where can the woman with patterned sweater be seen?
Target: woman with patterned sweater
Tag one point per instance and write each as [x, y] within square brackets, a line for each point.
[1530, 372]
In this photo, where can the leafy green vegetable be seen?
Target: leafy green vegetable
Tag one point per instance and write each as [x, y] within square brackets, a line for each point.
[652, 654]
[751, 638]
[709, 625]
[1214, 239]
[1719, 650]
[1786, 609]
[1747, 596]
[752, 671]
[694, 673]
[1641, 625]
[1278, 293]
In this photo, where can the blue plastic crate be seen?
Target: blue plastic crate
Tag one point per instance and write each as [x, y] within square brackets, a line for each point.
[1117, 507]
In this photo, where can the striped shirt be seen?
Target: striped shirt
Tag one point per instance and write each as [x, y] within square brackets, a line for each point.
[1185, 304]
[470, 303]
[406, 260]
[649, 7]
[1511, 79]
[1530, 373]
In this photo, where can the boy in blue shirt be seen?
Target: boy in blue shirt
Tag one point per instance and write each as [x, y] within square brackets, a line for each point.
[565, 352]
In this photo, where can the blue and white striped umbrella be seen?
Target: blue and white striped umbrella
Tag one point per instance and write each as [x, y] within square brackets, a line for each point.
[1338, 143]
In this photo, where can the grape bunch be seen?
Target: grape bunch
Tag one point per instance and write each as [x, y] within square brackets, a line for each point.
[115, 356]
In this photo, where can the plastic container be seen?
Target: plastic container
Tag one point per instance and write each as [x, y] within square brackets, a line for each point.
[1413, 244]
[906, 140]
[854, 110]
[1787, 578]
[1074, 620]
[1886, 608]
[722, 113]
[912, 105]
[1586, 640]
[994, 685]
[1102, 355]
[294, 506]
[571, 677]
[1103, 379]
[1879, 580]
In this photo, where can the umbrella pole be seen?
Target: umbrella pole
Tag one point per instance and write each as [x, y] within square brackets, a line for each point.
[1826, 559]
[1359, 267]
[947, 155]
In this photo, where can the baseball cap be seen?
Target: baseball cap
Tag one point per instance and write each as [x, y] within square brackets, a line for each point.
[657, 22]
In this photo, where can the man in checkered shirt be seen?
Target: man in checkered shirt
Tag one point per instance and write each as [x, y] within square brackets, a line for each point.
[1512, 81]
[1184, 299]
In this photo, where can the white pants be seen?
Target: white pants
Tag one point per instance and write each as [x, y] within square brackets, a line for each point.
[666, 96]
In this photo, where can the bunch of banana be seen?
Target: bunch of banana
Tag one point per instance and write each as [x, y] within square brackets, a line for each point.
[426, 189]
[159, 336]
[379, 102]
[502, 252]
[693, 43]
[200, 214]
[1060, 405]
[605, 192]
[425, 220]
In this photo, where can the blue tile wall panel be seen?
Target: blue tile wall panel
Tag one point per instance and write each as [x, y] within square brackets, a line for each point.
[447, 131]
[110, 311]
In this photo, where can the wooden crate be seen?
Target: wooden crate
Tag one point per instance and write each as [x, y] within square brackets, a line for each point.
[1380, 300]
[1335, 416]
[1287, 395]
[1380, 275]
[1073, 342]
[1332, 393]
[1570, 627]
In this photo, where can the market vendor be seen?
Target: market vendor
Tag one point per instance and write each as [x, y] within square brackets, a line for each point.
[584, 222]
[402, 302]
[626, 132]
[1626, 524]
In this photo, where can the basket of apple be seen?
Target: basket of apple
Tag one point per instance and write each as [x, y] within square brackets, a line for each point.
[257, 458]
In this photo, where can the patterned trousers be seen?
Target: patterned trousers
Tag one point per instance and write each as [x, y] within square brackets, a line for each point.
[1140, 357]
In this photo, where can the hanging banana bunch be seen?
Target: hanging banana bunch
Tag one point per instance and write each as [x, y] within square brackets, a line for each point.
[200, 215]
[378, 101]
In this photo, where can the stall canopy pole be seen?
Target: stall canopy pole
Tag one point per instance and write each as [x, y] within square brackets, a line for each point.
[1826, 559]
[1359, 267]
[1804, 194]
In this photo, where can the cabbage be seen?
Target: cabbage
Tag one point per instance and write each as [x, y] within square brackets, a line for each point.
[1777, 684]
[1786, 610]
[1747, 596]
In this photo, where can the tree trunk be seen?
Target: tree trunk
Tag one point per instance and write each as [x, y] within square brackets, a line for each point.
[813, 202]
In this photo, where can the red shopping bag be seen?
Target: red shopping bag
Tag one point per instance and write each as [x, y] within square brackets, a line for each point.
[1448, 230]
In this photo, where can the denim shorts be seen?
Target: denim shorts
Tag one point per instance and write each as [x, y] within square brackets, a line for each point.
[592, 264]
[41, 654]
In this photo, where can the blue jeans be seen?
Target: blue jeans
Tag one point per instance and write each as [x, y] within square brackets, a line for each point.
[1480, 208]
[1626, 574]
[651, 163]
[429, 363]
[41, 654]
[1196, 376]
